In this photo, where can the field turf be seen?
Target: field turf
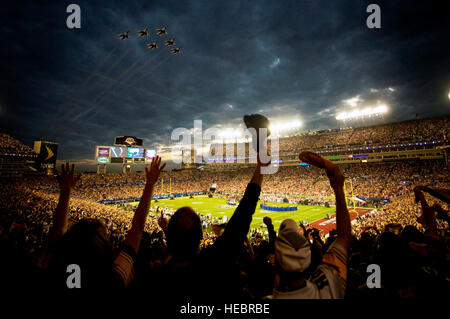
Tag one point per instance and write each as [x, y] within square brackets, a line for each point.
[218, 208]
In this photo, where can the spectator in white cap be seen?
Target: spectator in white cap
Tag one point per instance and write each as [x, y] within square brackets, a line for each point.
[293, 253]
[292, 250]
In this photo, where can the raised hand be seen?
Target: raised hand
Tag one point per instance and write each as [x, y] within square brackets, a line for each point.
[302, 226]
[427, 218]
[337, 179]
[155, 169]
[267, 220]
[67, 178]
[162, 222]
[333, 172]
[134, 236]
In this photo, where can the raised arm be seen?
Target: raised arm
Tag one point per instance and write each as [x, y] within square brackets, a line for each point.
[428, 217]
[67, 180]
[134, 236]
[440, 193]
[249, 248]
[316, 236]
[272, 234]
[233, 237]
[343, 226]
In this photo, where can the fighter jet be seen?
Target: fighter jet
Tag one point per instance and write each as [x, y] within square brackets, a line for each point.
[175, 50]
[143, 33]
[124, 35]
[161, 31]
[152, 45]
[168, 43]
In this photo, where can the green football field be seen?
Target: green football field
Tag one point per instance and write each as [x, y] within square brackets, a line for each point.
[218, 208]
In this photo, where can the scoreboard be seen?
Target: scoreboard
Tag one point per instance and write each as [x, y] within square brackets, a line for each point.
[128, 141]
[122, 154]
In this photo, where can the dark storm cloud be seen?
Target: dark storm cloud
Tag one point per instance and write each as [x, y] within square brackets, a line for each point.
[284, 59]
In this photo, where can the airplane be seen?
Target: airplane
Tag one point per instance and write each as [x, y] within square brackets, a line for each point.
[176, 50]
[124, 35]
[161, 31]
[143, 33]
[170, 42]
[152, 45]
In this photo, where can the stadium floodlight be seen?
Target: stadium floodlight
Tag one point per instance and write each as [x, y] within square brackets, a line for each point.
[230, 133]
[368, 111]
[279, 127]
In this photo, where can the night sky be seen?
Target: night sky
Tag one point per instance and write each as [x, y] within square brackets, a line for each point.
[306, 60]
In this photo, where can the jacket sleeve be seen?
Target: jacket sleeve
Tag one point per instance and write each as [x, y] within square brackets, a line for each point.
[123, 268]
[231, 241]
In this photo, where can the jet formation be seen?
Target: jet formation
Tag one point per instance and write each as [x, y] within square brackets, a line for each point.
[153, 45]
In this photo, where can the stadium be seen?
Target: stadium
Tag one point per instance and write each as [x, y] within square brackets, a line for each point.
[382, 164]
[228, 151]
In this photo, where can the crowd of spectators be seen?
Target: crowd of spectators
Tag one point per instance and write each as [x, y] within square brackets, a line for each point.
[47, 223]
[423, 130]
[365, 180]
[30, 210]
[407, 135]
[11, 146]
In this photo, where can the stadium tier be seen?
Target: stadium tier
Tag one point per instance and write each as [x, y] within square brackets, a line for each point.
[14, 156]
[412, 139]
[12, 147]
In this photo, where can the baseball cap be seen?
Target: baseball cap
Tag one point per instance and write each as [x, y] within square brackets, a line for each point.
[292, 249]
